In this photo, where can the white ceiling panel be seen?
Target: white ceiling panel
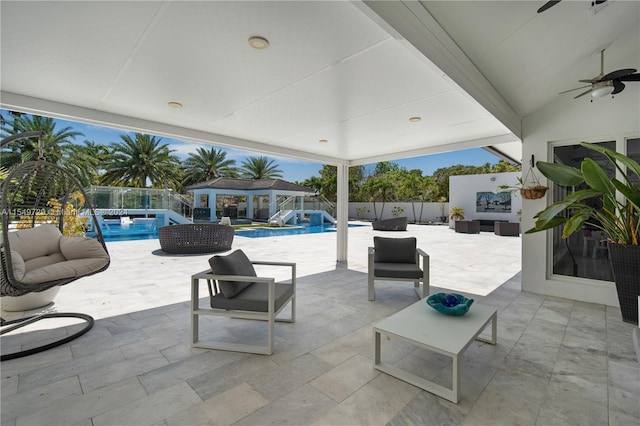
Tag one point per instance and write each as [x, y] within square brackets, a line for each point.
[446, 118]
[349, 72]
[69, 54]
[199, 54]
[351, 89]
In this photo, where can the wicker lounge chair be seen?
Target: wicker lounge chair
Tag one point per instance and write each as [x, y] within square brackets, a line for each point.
[195, 238]
[394, 224]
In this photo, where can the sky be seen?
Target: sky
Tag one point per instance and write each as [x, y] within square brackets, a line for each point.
[293, 170]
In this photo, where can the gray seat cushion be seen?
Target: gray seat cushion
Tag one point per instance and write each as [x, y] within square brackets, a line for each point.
[253, 298]
[394, 250]
[236, 263]
[396, 270]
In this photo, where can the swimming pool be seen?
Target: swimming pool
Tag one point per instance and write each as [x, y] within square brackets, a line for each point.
[145, 229]
[113, 230]
[303, 228]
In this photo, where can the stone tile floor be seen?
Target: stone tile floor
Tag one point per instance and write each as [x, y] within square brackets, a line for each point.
[557, 361]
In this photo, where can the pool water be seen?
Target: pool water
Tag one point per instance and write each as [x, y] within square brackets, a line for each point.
[113, 230]
[303, 228]
[139, 230]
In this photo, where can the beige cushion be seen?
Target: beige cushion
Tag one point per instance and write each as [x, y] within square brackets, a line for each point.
[42, 254]
[43, 261]
[35, 242]
[68, 269]
[82, 248]
[18, 266]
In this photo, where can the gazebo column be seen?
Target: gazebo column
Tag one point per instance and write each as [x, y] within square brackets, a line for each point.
[273, 203]
[249, 213]
[213, 202]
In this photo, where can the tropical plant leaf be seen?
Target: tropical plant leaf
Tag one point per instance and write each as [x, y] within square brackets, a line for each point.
[630, 194]
[560, 173]
[626, 161]
[572, 200]
[575, 222]
[548, 224]
[597, 178]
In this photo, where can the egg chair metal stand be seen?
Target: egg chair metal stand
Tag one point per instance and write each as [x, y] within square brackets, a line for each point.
[50, 237]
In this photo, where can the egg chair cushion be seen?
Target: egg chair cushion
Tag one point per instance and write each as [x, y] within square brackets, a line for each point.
[54, 256]
[32, 243]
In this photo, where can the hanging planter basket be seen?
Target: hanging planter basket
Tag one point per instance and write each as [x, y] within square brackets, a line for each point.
[533, 193]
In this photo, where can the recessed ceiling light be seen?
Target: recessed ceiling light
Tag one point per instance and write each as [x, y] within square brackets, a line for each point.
[415, 119]
[323, 141]
[176, 105]
[258, 42]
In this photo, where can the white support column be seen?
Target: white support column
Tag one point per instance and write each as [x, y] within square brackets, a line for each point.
[342, 213]
[249, 205]
[212, 204]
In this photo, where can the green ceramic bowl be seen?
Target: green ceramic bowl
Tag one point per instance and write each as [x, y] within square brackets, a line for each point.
[436, 302]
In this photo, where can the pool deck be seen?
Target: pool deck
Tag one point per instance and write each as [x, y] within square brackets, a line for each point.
[141, 276]
[136, 366]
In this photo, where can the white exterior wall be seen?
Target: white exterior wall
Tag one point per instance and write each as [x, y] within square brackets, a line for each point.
[431, 211]
[571, 120]
[463, 190]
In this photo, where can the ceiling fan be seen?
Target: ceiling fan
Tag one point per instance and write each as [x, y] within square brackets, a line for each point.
[552, 3]
[606, 84]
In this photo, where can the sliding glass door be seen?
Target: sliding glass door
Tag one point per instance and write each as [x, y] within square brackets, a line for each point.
[585, 254]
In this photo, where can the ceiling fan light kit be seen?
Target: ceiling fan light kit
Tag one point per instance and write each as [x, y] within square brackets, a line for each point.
[606, 84]
[601, 89]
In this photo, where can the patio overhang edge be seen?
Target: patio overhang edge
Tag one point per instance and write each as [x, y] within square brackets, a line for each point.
[31, 105]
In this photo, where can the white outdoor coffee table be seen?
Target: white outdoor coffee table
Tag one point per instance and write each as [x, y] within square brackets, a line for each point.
[421, 325]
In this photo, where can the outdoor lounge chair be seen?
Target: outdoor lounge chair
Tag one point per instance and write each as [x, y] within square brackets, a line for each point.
[195, 238]
[398, 259]
[393, 224]
[235, 291]
[45, 214]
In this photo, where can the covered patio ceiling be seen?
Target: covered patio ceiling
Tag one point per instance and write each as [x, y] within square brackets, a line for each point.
[351, 73]
[333, 71]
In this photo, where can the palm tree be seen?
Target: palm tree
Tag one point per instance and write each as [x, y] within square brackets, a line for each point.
[409, 186]
[260, 168]
[314, 182]
[378, 188]
[206, 165]
[56, 143]
[86, 160]
[136, 161]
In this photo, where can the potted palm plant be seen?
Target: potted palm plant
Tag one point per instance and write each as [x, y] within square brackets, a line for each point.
[456, 213]
[617, 213]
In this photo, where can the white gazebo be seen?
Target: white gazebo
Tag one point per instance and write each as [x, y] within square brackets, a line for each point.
[255, 199]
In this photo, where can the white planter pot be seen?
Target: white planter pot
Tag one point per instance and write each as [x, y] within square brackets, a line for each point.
[29, 301]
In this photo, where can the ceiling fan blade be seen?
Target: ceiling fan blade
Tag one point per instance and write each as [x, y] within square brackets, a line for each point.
[631, 77]
[618, 87]
[619, 73]
[547, 5]
[571, 90]
[582, 94]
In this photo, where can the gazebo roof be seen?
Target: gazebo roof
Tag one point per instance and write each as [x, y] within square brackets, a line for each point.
[248, 184]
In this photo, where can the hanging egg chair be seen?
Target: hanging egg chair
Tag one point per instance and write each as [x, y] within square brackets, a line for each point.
[50, 237]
